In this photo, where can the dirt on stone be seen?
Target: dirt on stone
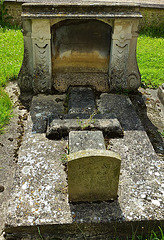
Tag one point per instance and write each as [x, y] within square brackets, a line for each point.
[147, 105]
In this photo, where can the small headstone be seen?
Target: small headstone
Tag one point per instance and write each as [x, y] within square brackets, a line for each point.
[83, 140]
[93, 175]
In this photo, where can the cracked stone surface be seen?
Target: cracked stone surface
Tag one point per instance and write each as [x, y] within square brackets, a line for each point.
[39, 194]
[141, 187]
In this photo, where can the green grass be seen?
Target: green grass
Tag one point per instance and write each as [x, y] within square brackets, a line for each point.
[11, 55]
[150, 58]
[5, 109]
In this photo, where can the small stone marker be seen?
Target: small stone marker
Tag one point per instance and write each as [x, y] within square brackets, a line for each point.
[93, 175]
[83, 140]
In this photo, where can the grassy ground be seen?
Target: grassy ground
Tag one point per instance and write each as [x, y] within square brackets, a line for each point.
[11, 55]
[150, 55]
[150, 58]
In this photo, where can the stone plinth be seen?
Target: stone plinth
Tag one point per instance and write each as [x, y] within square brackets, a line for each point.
[93, 175]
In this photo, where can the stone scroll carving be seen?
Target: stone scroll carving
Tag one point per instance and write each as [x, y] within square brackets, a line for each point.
[41, 70]
[25, 77]
[42, 56]
[123, 69]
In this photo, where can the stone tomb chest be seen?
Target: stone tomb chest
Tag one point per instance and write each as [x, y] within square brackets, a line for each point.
[76, 44]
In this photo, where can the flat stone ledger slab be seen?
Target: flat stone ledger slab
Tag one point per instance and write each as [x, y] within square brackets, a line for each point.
[83, 140]
[43, 108]
[39, 195]
[93, 175]
[81, 100]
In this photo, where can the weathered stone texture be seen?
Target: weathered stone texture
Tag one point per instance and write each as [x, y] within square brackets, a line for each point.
[43, 108]
[152, 17]
[93, 45]
[81, 100]
[83, 140]
[140, 191]
[80, 54]
[93, 175]
[123, 70]
[60, 128]
[161, 93]
[14, 10]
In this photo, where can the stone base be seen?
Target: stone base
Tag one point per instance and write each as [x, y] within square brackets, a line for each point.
[39, 199]
[98, 81]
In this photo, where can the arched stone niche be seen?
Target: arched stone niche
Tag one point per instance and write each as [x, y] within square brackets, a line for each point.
[80, 54]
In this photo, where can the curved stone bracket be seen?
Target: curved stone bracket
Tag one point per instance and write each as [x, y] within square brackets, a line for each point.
[123, 69]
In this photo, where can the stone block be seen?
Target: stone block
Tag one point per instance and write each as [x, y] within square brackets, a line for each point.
[81, 100]
[60, 128]
[43, 108]
[83, 140]
[93, 175]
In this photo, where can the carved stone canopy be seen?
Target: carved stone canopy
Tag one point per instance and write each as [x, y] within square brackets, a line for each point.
[79, 43]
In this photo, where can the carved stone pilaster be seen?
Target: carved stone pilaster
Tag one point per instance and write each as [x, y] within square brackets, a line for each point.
[25, 77]
[134, 77]
[41, 55]
[123, 70]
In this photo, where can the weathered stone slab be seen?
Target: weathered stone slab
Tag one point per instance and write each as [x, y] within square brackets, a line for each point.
[60, 128]
[87, 116]
[44, 107]
[81, 100]
[93, 175]
[44, 203]
[83, 140]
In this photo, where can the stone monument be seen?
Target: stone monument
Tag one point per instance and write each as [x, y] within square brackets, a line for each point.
[79, 44]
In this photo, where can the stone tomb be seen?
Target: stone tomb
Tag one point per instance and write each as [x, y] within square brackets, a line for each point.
[79, 43]
[103, 56]
[39, 197]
